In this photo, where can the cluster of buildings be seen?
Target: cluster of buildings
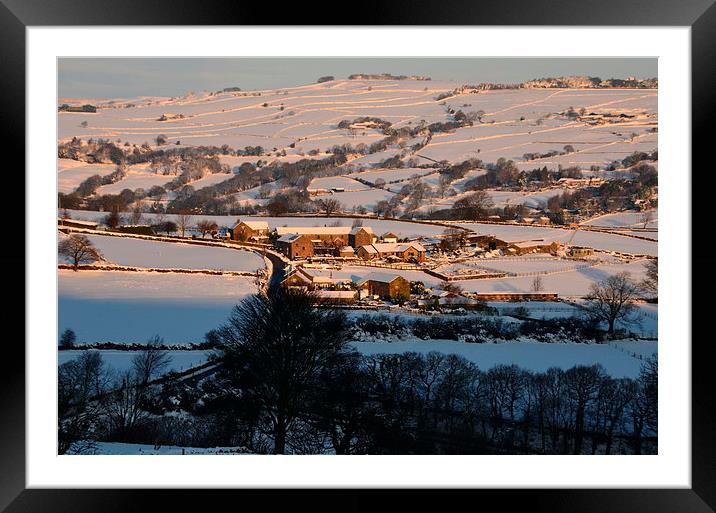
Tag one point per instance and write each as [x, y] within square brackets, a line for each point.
[298, 242]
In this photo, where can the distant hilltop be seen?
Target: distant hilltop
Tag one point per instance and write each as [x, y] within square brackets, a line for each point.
[572, 82]
[385, 76]
[581, 82]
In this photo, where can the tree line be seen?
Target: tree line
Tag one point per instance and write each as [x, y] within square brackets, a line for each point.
[289, 382]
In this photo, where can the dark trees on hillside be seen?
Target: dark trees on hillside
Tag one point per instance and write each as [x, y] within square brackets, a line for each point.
[276, 346]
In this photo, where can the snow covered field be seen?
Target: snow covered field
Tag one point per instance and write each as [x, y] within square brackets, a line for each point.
[123, 306]
[534, 356]
[596, 240]
[627, 220]
[168, 255]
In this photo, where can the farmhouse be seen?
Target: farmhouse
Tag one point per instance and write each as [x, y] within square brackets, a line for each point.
[360, 236]
[532, 246]
[301, 277]
[389, 237]
[330, 239]
[578, 251]
[407, 251]
[390, 286]
[295, 245]
[346, 252]
[335, 236]
[256, 231]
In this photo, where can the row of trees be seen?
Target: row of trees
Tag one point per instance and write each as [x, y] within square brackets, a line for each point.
[289, 383]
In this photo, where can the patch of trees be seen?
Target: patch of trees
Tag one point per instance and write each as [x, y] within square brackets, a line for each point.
[289, 383]
[73, 108]
[479, 330]
[379, 123]
[327, 78]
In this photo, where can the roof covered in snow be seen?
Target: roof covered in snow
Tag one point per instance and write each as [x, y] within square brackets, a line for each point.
[314, 230]
[380, 277]
[356, 229]
[254, 225]
[289, 237]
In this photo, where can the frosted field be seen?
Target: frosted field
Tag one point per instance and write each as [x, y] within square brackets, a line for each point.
[390, 175]
[71, 173]
[345, 182]
[121, 361]
[122, 306]
[596, 240]
[171, 255]
[304, 115]
[571, 283]
[533, 264]
[625, 220]
[365, 198]
[307, 117]
[535, 356]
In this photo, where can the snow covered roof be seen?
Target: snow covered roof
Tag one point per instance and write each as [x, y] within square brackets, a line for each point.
[347, 249]
[254, 225]
[397, 247]
[380, 277]
[356, 229]
[369, 249]
[289, 237]
[390, 235]
[314, 230]
[530, 243]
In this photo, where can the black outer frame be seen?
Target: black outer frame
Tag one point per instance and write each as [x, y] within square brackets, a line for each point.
[16, 15]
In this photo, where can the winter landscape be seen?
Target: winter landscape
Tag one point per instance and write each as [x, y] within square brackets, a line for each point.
[360, 264]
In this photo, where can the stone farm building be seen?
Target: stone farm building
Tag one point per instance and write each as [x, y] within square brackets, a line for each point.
[524, 247]
[324, 239]
[383, 285]
[255, 231]
[316, 280]
[294, 245]
[406, 251]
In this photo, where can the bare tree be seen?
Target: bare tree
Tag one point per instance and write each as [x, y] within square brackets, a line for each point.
[206, 226]
[650, 284]
[183, 220]
[329, 206]
[80, 384]
[151, 362]
[536, 284]
[647, 217]
[112, 220]
[136, 217]
[455, 237]
[611, 300]
[453, 288]
[473, 206]
[79, 250]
